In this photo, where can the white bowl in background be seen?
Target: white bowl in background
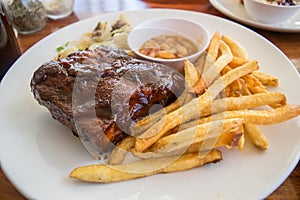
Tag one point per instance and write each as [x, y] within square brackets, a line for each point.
[169, 26]
[270, 13]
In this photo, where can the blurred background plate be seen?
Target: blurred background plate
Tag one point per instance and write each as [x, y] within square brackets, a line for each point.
[235, 10]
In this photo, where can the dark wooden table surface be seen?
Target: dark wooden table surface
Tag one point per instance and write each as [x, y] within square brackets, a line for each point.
[289, 43]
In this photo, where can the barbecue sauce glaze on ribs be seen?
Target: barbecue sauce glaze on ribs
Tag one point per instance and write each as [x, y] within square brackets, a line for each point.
[98, 91]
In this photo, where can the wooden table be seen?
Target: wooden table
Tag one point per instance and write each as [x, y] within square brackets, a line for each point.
[289, 43]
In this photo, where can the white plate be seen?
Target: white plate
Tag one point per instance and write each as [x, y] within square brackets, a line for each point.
[235, 10]
[37, 153]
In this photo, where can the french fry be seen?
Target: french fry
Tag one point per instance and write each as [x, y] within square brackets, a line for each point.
[184, 135]
[231, 76]
[244, 102]
[240, 103]
[236, 62]
[207, 61]
[254, 85]
[256, 136]
[199, 133]
[176, 117]
[191, 74]
[245, 90]
[218, 133]
[228, 140]
[236, 87]
[199, 65]
[231, 139]
[212, 51]
[236, 48]
[266, 79]
[191, 78]
[118, 154]
[258, 117]
[211, 73]
[240, 55]
[102, 173]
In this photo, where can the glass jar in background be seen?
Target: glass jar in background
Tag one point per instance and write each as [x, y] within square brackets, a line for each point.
[9, 49]
[27, 16]
[57, 9]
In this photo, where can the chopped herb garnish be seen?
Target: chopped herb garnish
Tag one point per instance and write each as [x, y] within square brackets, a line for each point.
[58, 49]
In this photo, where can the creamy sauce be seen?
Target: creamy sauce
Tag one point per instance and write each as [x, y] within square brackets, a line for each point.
[168, 47]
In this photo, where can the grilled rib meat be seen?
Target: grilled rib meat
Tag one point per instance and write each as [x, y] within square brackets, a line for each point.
[102, 91]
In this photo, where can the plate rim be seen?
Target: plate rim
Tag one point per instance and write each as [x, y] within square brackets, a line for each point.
[271, 189]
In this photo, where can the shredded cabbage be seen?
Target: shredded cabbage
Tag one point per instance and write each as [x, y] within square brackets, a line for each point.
[104, 34]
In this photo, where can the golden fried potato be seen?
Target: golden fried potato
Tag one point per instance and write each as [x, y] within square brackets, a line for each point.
[234, 137]
[216, 67]
[192, 109]
[191, 78]
[254, 85]
[229, 89]
[199, 133]
[102, 173]
[212, 51]
[258, 117]
[256, 136]
[244, 102]
[236, 48]
[118, 154]
[190, 73]
[266, 79]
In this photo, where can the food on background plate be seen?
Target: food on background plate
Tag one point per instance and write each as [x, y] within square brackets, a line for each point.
[271, 12]
[278, 2]
[221, 97]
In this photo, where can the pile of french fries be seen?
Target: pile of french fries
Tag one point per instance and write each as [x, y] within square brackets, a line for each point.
[226, 97]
